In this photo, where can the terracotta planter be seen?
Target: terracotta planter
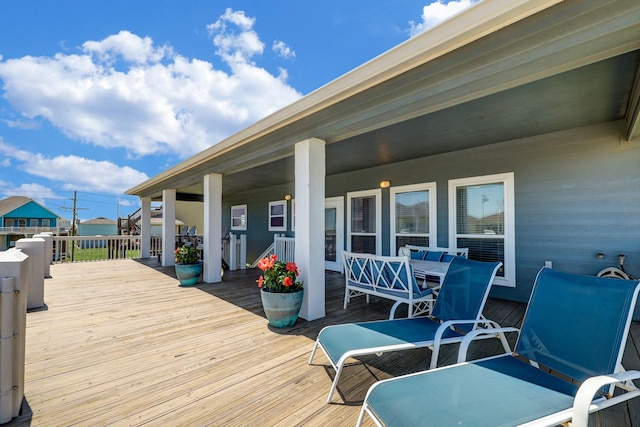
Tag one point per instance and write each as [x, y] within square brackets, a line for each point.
[188, 274]
[282, 308]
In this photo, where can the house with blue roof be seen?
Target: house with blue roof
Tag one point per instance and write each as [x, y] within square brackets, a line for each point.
[23, 217]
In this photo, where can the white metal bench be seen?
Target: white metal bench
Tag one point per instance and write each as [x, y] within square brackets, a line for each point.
[386, 277]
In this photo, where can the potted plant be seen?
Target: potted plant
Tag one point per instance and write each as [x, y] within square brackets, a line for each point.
[188, 265]
[280, 291]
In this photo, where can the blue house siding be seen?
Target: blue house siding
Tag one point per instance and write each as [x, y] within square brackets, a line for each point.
[258, 236]
[577, 194]
[32, 210]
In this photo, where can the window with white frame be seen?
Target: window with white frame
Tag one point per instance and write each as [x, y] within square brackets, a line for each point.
[46, 222]
[22, 222]
[239, 217]
[33, 222]
[481, 218]
[364, 225]
[278, 215]
[413, 216]
[9, 222]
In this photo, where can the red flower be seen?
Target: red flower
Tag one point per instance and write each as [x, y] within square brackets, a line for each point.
[265, 264]
[287, 281]
[260, 281]
[273, 257]
[291, 266]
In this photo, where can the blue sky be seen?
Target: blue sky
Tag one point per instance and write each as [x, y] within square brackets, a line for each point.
[97, 96]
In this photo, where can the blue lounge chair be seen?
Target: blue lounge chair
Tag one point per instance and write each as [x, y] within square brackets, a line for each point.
[575, 327]
[457, 310]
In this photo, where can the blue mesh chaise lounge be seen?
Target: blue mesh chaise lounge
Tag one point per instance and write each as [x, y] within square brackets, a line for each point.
[457, 310]
[566, 363]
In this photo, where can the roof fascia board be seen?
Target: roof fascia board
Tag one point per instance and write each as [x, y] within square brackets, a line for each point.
[467, 26]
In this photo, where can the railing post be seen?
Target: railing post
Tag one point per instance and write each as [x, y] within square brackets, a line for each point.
[6, 350]
[233, 254]
[34, 248]
[243, 252]
[13, 284]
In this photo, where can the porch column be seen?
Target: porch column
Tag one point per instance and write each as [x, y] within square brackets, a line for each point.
[145, 227]
[168, 227]
[309, 254]
[212, 242]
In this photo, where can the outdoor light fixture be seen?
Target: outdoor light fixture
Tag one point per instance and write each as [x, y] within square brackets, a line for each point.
[287, 197]
[385, 184]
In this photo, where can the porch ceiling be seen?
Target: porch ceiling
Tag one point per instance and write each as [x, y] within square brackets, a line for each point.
[573, 64]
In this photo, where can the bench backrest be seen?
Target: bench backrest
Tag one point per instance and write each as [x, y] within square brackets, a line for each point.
[432, 253]
[382, 273]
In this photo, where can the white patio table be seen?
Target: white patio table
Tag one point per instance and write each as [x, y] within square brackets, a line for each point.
[422, 269]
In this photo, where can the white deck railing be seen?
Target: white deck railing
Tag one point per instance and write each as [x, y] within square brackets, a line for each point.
[284, 248]
[102, 248]
[28, 230]
[234, 251]
[95, 248]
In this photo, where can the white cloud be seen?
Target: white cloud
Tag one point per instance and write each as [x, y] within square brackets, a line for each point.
[437, 12]
[235, 38]
[37, 192]
[283, 50]
[124, 91]
[74, 172]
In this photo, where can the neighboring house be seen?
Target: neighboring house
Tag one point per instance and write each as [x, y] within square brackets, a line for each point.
[100, 226]
[23, 217]
[511, 129]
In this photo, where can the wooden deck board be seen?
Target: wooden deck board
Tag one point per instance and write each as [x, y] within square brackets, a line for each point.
[122, 344]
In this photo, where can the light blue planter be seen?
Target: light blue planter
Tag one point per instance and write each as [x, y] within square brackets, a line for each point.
[188, 274]
[282, 308]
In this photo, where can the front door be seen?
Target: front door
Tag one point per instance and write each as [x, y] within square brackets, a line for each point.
[333, 233]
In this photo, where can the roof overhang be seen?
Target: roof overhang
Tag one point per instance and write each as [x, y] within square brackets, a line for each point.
[489, 74]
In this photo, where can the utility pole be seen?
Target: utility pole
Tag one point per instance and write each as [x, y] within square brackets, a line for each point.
[73, 226]
[72, 231]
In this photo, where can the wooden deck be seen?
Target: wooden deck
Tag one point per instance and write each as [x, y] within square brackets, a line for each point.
[122, 344]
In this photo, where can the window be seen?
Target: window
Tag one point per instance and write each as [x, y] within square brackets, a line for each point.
[46, 222]
[364, 223]
[33, 222]
[481, 218]
[413, 216]
[239, 217]
[22, 222]
[278, 215]
[9, 222]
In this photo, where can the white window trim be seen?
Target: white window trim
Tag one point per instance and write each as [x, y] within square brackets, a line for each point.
[293, 214]
[433, 212]
[282, 203]
[242, 227]
[507, 179]
[366, 193]
[46, 222]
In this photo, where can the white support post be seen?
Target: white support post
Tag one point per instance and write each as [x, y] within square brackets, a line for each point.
[168, 227]
[310, 171]
[6, 350]
[243, 252]
[34, 248]
[145, 227]
[14, 267]
[212, 251]
[233, 254]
